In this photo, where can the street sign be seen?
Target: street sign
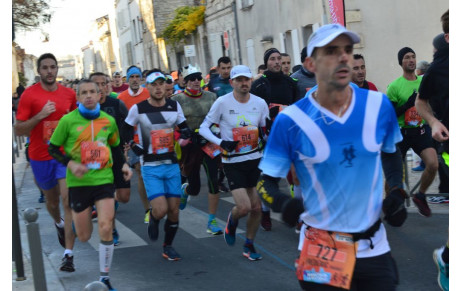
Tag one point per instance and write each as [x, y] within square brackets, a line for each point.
[189, 50]
[226, 42]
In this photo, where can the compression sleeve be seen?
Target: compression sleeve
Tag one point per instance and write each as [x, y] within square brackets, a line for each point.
[269, 192]
[128, 132]
[117, 155]
[54, 151]
[392, 168]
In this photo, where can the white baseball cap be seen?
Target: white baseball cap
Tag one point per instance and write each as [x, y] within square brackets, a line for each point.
[153, 77]
[240, 70]
[327, 33]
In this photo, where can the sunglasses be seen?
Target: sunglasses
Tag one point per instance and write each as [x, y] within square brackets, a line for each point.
[199, 78]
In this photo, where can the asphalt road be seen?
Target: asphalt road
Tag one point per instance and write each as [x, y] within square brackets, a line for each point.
[208, 263]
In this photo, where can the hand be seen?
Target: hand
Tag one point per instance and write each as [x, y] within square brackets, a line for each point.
[291, 211]
[439, 132]
[393, 207]
[126, 147]
[77, 169]
[127, 173]
[184, 142]
[47, 109]
[185, 133]
[228, 145]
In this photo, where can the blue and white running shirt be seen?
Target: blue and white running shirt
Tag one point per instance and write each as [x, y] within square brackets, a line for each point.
[337, 159]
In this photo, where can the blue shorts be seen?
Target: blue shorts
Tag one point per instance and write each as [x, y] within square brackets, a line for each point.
[47, 173]
[162, 180]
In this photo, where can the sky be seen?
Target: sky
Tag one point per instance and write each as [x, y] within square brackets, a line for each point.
[68, 29]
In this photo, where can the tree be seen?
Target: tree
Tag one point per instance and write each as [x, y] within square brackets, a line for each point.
[185, 22]
[30, 14]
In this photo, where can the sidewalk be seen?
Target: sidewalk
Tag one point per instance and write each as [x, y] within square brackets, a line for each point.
[21, 168]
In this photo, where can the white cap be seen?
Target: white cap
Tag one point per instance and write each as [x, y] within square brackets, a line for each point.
[327, 33]
[188, 70]
[153, 77]
[240, 70]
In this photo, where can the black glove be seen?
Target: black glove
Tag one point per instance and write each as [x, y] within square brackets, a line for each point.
[229, 145]
[411, 101]
[393, 207]
[185, 133]
[291, 211]
[137, 148]
[198, 140]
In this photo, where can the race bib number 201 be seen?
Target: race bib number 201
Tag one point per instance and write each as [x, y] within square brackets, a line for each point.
[327, 258]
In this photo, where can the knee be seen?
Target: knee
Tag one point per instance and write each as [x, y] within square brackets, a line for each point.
[159, 211]
[83, 236]
[123, 195]
[431, 165]
[244, 210]
[105, 228]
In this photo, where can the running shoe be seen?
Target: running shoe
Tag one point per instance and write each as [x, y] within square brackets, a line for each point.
[213, 227]
[67, 264]
[42, 198]
[153, 228]
[230, 231]
[61, 234]
[437, 199]
[418, 169]
[94, 213]
[420, 201]
[443, 269]
[116, 237]
[147, 217]
[250, 252]
[183, 197]
[266, 221]
[106, 282]
[170, 254]
[223, 188]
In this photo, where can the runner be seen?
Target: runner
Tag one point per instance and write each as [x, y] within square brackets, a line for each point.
[117, 109]
[40, 108]
[156, 119]
[339, 172]
[240, 116]
[86, 135]
[133, 95]
[196, 103]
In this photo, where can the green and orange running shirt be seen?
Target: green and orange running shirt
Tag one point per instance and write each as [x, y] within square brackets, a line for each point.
[87, 142]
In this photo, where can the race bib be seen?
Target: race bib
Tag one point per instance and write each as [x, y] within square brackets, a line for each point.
[48, 129]
[281, 106]
[412, 118]
[162, 140]
[327, 258]
[212, 150]
[248, 137]
[94, 154]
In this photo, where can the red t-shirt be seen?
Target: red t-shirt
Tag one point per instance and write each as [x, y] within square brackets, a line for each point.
[32, 101]
[372, 86]
[120, 89]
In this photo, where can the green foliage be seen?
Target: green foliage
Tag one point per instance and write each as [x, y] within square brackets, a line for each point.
[185, 22]
[22, 79]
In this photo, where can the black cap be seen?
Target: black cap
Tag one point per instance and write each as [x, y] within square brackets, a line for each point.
[268, 53]
[402, 52]
[303, 54]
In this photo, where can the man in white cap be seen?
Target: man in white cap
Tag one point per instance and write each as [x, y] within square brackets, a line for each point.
[334, 137]
[156, 119]
[241, 117]
[196, 104]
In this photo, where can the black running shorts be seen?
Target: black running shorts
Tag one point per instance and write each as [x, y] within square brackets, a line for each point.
[243, 174]
[83, 197]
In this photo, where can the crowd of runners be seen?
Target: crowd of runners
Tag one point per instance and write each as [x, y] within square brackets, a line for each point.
[324, 128]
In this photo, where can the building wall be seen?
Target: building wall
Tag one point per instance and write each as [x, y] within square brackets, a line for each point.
[389, 25]
[30, 68]
[385, 27]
